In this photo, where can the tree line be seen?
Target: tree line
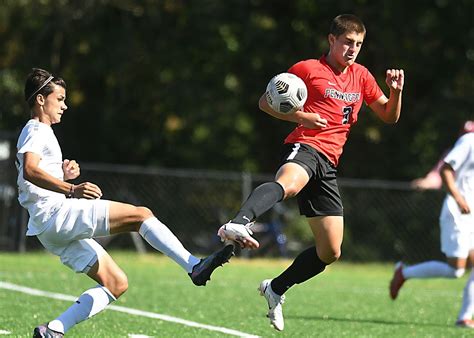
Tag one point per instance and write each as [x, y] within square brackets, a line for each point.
[176, 83]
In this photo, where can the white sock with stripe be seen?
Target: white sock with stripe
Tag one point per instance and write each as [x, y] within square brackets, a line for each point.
[87, 305]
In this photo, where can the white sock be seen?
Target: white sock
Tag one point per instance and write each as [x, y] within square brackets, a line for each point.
[467, 308]
[88, 304]
[430, 269]
[161, 238]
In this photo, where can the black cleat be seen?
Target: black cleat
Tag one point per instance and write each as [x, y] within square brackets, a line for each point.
[43, 331]
[202, 271]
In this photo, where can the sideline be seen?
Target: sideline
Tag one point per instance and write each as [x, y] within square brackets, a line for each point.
[60, 296]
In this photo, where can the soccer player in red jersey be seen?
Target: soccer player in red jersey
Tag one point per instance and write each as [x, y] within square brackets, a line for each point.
[337, 86]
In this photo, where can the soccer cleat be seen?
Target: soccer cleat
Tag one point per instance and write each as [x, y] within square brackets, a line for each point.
[397, 281]
[202, 271]
[275, 311]
[465, 323]
[240, 233]
[43, 331]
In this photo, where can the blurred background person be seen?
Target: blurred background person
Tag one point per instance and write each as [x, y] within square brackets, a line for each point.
[457, 225]
[432, 180]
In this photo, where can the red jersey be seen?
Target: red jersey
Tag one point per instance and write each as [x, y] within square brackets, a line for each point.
[336, 98]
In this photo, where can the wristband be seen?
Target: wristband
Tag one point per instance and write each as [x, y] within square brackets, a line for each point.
[71, 192]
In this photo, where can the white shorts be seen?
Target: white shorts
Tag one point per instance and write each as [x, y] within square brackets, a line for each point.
[70, 232]
[457, 235]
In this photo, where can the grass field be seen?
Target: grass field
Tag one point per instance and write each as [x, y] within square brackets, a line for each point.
[347, 300]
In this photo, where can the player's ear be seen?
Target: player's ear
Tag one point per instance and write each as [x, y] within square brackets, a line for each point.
[40, 99]
[331, 39]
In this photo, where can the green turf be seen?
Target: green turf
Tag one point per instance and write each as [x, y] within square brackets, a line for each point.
[347, 300]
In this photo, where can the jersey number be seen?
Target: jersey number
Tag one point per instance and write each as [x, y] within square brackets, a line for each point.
[346, 113]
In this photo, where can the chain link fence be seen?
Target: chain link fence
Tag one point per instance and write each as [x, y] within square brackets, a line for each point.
[384, 221]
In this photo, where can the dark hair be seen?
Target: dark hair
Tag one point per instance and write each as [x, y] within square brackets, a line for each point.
[346, 23]
[40, 81]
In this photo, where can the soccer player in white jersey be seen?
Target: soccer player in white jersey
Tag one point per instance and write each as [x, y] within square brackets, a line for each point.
[457, 227]
[66, 217]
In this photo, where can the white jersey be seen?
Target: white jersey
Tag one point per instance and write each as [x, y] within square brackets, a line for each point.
[39, 138]
[461, 159]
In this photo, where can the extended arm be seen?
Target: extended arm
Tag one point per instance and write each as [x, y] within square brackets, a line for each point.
[432, 180]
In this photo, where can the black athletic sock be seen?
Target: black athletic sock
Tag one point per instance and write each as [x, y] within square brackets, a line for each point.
[305, 266]
[262, 198]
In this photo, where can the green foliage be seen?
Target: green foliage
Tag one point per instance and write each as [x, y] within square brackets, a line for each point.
[176, 83]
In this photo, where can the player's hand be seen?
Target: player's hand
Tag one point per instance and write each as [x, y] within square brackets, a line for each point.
[310, 120]
[430, 181]
[463, 206]
[395, 79]
[87, 190]
[71, 169]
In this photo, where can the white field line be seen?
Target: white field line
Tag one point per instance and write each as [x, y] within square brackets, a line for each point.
[4, 332]
[60, 296]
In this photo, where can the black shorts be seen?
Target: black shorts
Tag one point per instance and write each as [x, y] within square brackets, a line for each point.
[320, 196]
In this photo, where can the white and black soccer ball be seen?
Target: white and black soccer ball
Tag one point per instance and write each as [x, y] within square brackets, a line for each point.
[286, 93]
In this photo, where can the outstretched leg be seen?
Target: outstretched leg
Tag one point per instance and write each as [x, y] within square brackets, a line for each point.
[126, 217]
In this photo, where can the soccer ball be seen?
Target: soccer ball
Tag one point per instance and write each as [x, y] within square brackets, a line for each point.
[286, 93]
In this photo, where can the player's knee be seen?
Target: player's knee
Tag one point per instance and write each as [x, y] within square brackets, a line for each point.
[291, 191]
[144, 213]
[330, 256]
[335, 256]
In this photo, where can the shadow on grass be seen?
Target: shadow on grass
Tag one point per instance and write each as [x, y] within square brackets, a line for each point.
[368, 321]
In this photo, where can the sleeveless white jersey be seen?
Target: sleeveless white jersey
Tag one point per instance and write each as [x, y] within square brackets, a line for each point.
[39, 138]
